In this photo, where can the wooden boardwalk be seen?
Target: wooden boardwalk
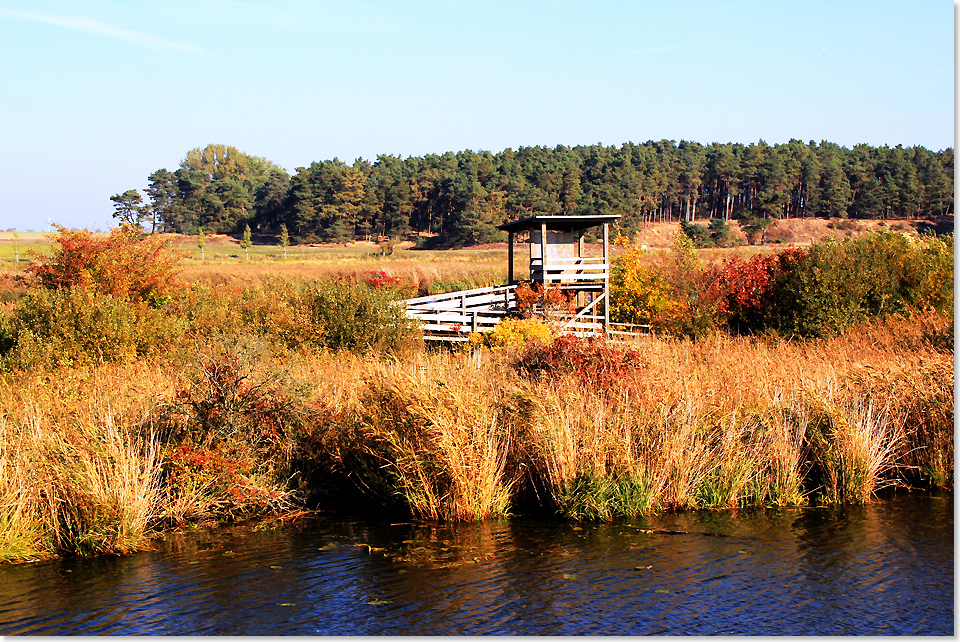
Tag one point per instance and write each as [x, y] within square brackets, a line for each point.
[454, 315]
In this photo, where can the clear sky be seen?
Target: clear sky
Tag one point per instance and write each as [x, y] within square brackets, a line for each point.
[97, 94]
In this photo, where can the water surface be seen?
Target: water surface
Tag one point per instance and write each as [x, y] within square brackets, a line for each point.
[881, 569]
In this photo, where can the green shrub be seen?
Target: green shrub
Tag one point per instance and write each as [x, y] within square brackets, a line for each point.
[341, 314]
[78, 326]
[698, 234]
[838, 284]
[721, 234]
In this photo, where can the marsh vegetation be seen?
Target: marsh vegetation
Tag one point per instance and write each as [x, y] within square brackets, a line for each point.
[132, 401]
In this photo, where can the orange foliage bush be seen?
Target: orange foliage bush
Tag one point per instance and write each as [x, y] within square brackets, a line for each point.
[529, 296]
[120, 264]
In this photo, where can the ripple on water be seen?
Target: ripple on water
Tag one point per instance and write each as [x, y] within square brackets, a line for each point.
[880, 569]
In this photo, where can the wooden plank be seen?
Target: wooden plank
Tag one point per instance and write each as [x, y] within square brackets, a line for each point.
[457, 295]
[482, 299]
[454, 316]
[475, 301]
[448, 324]
[566, 260]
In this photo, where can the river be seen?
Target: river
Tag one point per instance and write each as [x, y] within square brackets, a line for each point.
[882, 569]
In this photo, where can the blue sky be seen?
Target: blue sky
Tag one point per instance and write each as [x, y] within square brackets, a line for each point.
[98, 94]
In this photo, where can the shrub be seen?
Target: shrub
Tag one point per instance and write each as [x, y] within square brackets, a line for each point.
[119, 264]
[82, 327]
[594, 361]
[353, 316]
[638, 293]
[514, 334]
[838, 284]
[755, 228]
[666, 293]
[339, 313]
[721, 234]
[698, 234]
[530, 297]
[380, 279]
[229, 449]
[741, 291]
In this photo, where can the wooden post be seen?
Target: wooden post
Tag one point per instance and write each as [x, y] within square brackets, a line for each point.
[510, 258]
[543, 252]
[606, 279]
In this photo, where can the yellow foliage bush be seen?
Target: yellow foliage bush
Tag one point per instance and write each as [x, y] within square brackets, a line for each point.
[638, 293]
[514, 333]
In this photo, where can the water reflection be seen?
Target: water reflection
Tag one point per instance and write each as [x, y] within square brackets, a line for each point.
[880, 569]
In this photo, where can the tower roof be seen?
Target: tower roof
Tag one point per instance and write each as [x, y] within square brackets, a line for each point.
[558, 223]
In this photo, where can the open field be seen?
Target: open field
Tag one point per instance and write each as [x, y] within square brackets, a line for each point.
[222, 248]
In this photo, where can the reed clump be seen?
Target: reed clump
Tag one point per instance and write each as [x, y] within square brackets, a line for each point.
[79, 481]
[429, 431]
[96, 458]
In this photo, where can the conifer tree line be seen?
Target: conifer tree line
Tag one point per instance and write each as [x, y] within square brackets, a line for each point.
[461, 196]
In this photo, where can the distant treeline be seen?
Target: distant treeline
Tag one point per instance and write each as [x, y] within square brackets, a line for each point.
[462, 196]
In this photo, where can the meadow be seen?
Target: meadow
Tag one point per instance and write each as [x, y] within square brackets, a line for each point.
[134, 401]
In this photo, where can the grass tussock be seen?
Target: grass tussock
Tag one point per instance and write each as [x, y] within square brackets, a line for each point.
[84, 482]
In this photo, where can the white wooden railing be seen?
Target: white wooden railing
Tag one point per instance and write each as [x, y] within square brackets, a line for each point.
[576, 270]
[454, 315]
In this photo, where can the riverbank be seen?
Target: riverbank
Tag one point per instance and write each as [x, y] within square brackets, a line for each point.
[131, 402]
[96, 459]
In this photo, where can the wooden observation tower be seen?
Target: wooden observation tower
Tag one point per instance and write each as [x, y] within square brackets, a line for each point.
[556, 260]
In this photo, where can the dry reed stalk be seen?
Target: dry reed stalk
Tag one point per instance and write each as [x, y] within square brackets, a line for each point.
[439, 430]
[21, 535]
[784, 451]
[91, 488]
[685, 454]
[114, 482]
[93, 474]
[855, 445]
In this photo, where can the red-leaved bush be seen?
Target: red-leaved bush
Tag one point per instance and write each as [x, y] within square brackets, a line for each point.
[120, 264]
[741, 291]
[531, 295]
[593, 361]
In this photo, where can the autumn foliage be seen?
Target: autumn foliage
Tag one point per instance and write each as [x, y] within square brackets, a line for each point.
[742, 290]
[120, 264]
[810, 292]
[530, 296]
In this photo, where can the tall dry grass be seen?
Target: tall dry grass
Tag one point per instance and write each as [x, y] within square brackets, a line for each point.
[432, 429]
[464, 435]
[721, 422]
[728, 422]
[80, 474]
